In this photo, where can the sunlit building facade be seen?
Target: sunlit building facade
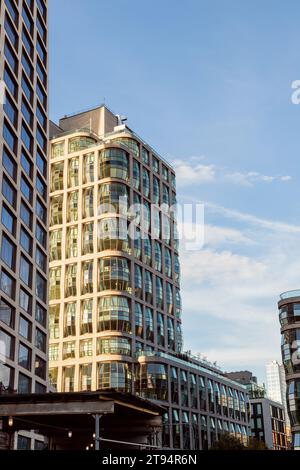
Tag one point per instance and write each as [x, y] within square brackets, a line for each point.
[115, 304]
[23, 198]
[289, 317]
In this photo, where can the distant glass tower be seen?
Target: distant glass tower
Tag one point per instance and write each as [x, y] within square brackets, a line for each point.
[276, 387]
[115, 305]
[289, 317]
[23, 198]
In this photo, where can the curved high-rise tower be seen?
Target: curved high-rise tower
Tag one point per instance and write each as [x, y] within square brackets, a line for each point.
[289, 317]
[115, 305]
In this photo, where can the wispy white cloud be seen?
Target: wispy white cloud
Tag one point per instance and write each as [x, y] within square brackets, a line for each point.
[188, 172]
[252, 219]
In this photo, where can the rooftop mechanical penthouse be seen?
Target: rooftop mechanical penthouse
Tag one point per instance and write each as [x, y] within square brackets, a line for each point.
[115, 305]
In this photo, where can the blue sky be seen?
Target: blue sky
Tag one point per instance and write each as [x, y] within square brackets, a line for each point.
[208, 84]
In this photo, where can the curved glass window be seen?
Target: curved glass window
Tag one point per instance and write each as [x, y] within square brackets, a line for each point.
[86, 320]
[157, 256]
[290, 348]
[165, 195]
[155, 164]
[113, 235]
[73, 173]
[72, 242]
[184, 388]
[113, 314]
[145, 217]
[156, 190]
[151, 381]
[130, 143]
[178, 303]
[57, 176]
[136, 175]
[176, 268]
[58, 149]
[169, 298]
[160, 330]
[73, 206]
[114, 164]
[136, 208]
[69, 350]
[149, 324]
[168, 262]
[146, 182]
[155, 223]
[55, 245]
[289, 314]
[89, 167]
[88, 201]
[171, 334]
[145, 156]
[165, 174]
[113, 198]
[87, 238]
[56, 216]
[179, 338]
[114, 345]
[137, 243]
[70, 280]
[166, 229]
[138, 320]
[55, 283]
[85, 377]
[138, 281]
[114, 274]
[176, 236]
[159, 293]
[54, 321]
[114, 375]
[147, 255]
[148, 287]
[70, 320]
[80, 143]
[87, 277]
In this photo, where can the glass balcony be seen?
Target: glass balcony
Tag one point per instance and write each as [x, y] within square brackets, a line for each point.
[289, 294]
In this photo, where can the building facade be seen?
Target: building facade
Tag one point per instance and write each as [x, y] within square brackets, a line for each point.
[289, 317]
[115, 305]
[268, 423]
[23, 196]
[276, 387]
